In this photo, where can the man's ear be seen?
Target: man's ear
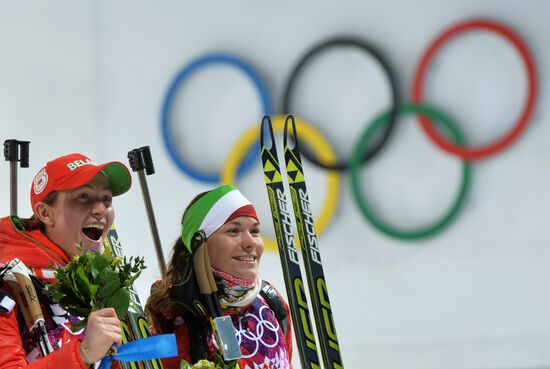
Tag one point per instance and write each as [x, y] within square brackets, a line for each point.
[44, 213]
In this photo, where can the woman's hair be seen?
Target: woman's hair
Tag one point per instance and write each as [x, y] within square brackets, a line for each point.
[33, 222]
[160, 309]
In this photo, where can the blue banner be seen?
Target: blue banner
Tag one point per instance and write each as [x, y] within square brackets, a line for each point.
[149, 348]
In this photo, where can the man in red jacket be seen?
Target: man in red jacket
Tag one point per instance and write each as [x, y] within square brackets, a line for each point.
[71, 199]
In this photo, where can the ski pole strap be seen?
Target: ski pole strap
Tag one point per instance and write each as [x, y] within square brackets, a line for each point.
[6, 302]
[156, 347]
[276, 304]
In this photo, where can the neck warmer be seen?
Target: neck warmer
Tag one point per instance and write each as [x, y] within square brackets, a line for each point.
[238, 292]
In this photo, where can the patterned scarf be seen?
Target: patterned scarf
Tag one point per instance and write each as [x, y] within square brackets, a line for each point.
[238, 292]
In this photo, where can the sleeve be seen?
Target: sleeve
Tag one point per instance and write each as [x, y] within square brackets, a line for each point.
[184, 348]
[12, 354]
[288, 336]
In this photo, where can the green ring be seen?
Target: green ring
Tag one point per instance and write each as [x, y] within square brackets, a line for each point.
[362, 145]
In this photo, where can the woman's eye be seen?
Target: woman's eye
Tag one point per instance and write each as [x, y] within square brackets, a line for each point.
[107, 200]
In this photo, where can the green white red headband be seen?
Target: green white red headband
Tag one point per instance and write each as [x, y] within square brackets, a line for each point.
[213, 210]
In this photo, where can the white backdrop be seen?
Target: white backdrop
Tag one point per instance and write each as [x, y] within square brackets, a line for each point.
[90, 77]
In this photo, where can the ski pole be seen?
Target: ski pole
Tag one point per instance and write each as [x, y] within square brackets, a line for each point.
[30, 305]
[134, 326]
[140, 160]
[221, 325]
[15, 151]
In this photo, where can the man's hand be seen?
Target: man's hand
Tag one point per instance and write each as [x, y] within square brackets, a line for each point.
[102, 331]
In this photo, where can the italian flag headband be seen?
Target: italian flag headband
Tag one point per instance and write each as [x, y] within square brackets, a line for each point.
[213, 210]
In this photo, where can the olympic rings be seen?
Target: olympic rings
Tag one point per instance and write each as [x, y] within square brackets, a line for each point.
[369, 49]
[183, 75]
[248, 152]
[418, 92]
[367, 135]
[312, 138]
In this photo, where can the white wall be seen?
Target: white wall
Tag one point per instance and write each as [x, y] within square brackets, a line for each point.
[91, 76]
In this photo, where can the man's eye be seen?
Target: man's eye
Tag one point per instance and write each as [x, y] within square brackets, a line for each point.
[84, 196]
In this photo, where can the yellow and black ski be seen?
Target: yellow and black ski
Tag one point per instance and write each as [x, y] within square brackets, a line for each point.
[282, 221]
[322, 312]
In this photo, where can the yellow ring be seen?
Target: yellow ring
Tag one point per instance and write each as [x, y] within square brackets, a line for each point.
[314, 140]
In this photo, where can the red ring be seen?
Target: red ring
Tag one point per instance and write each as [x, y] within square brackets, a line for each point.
[481, 152]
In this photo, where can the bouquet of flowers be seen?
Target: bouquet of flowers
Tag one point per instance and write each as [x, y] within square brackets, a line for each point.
[218, 363]
[93, 281]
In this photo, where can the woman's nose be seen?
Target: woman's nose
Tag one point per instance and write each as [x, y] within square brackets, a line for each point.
[99, 209]
[249, 241]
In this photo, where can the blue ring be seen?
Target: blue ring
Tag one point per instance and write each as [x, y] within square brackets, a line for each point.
[215, 58]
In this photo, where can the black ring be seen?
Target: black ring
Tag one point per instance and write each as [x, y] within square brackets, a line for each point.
[383, 137]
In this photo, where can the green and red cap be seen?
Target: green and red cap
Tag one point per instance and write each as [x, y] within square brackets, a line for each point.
[75, 170]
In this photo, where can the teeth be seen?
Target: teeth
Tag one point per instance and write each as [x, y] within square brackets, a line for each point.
[96, 226]
[245, 258]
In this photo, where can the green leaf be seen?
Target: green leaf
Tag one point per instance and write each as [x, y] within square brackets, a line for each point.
[87, 289]
[98, 264]
[120, 301]
[109, 284]
[131, 280]
[56, 295]
[184, 364]
[72, 285]
[107, 254]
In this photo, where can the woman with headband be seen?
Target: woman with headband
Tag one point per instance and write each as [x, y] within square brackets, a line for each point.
[259, 315]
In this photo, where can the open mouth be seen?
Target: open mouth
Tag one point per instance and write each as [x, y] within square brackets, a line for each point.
[93, 232]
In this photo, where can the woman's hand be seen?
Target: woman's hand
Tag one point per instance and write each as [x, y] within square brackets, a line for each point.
[102, 331]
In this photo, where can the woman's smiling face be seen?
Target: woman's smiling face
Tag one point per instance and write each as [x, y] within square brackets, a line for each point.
[81, 216]
[237, 247]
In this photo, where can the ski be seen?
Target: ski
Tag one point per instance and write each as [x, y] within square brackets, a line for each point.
[322, 311]
[135, 325]
[280, 212]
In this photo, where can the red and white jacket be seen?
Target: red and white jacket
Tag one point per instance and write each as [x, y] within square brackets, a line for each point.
[38, 253]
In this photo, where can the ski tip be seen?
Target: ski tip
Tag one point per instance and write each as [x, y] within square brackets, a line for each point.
[266, 132]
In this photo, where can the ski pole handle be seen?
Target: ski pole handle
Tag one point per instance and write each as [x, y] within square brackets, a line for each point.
[30, 303]
[15, 151]
[141, 160]
[16, 289]
[211, 281]
[221, 325]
